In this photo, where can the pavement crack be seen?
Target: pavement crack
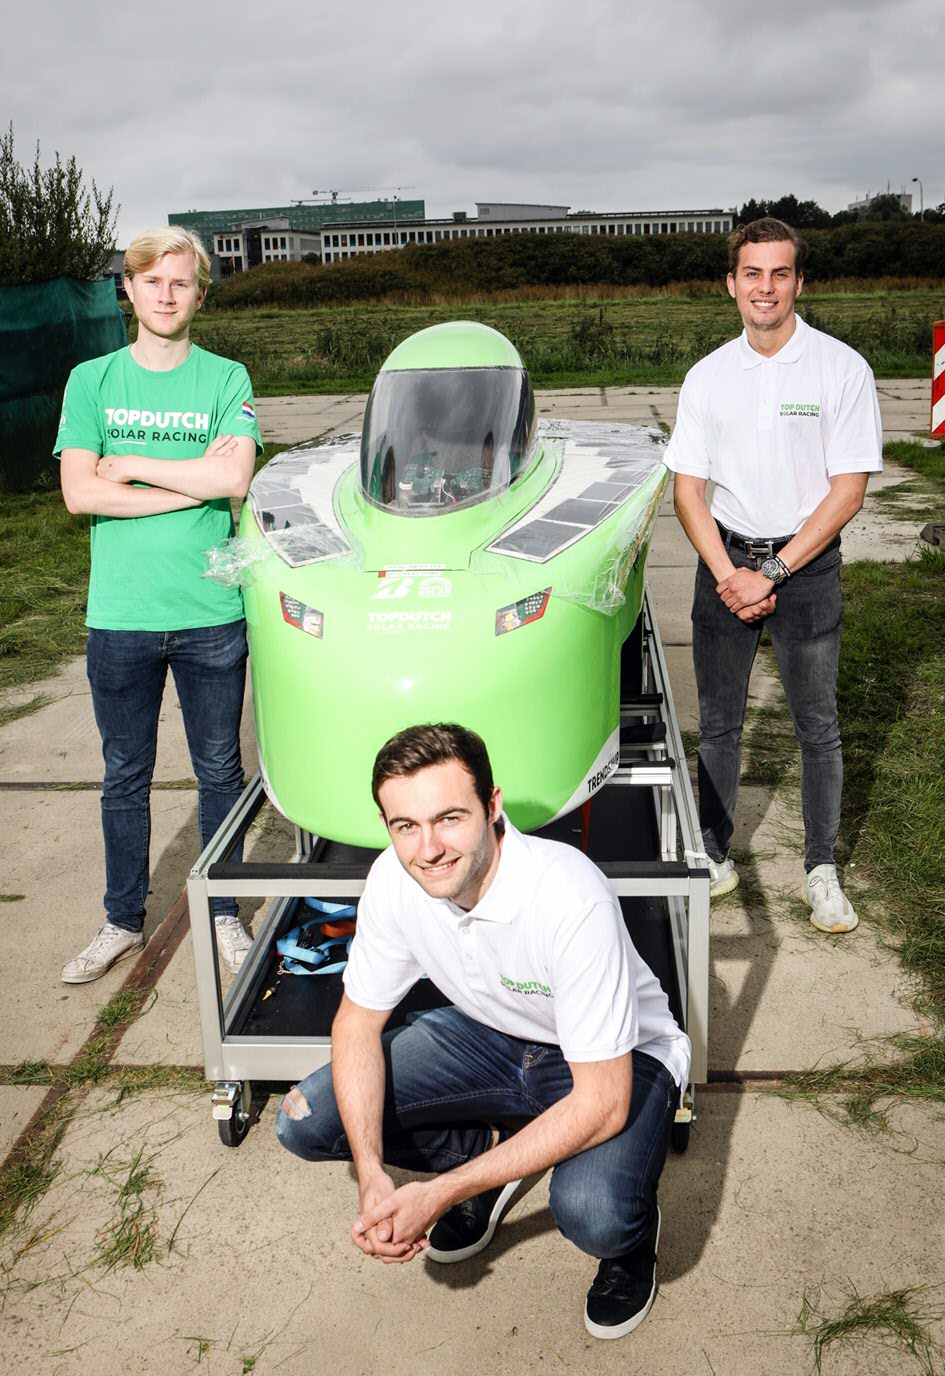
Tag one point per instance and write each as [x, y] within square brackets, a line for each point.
[91, 1063]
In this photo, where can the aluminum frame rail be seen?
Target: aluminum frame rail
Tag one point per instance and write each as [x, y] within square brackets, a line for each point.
[678, 875]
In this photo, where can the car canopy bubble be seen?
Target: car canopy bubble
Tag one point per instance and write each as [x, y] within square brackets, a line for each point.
[435, 439]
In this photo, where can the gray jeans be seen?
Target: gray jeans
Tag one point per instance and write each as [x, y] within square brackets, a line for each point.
[805, 633]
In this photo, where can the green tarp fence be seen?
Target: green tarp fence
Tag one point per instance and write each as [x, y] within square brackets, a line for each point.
[45, 330]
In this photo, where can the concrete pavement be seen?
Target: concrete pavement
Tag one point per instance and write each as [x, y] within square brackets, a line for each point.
[252, 1269]
[289, 420]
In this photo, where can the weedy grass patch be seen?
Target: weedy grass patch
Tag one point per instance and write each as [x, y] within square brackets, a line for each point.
[896, 1320]
[131, 1238]
[921, 498]
[862, 1095]
[44, 561]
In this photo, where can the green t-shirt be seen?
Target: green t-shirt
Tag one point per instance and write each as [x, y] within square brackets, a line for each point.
[147, 570]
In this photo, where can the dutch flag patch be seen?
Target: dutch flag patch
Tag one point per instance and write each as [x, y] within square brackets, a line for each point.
[248, 412]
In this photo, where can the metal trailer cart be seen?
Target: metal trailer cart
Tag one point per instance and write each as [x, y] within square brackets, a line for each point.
[641, 829]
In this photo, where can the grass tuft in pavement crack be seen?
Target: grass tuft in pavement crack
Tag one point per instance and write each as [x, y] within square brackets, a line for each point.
[113, 1019]
[125, 1080]
[28, 1174]
[918, 1073]
[30, 1073]
[895, 1320]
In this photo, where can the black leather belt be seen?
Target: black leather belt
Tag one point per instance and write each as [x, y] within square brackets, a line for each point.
[754, 548]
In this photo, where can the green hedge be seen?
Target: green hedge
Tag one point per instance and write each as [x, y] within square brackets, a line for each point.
[513, 261]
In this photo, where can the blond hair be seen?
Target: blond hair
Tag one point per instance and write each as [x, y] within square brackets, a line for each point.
[154, 244]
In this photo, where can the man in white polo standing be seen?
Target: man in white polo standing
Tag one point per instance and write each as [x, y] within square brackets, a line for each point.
[784, 421]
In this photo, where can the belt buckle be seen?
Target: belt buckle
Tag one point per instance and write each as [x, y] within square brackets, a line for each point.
[760, 549]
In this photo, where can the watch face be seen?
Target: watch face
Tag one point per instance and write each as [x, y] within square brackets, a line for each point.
[771, 569]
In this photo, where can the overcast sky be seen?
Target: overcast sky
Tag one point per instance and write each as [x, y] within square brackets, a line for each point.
[595, 104]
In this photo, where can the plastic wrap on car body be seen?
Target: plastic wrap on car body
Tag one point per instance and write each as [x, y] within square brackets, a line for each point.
[291, 501]
[608, 475]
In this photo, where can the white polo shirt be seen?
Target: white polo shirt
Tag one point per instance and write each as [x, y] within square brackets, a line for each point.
[545, 956]
[772, 432]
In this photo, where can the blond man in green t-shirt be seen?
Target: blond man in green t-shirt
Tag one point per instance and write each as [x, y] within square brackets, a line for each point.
[154, 442]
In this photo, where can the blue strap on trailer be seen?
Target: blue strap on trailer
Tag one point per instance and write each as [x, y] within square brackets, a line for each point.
[303, 954]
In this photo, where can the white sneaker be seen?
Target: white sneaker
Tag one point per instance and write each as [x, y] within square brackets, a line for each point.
[723, 877]
[831, 910]
[109, 945]
[233, 941]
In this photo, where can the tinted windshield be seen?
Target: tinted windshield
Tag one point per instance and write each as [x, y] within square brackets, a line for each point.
[438, 438]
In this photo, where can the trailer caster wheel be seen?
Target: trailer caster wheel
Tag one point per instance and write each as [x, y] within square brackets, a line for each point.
[239, 1097]
[678, 1136]
[233, 1130]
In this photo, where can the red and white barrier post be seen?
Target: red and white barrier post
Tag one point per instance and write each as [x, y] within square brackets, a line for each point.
[937, 423]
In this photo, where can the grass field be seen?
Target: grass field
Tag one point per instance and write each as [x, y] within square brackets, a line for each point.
[584, 340]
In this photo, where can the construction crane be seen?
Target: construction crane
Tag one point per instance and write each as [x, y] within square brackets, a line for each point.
[330, 197]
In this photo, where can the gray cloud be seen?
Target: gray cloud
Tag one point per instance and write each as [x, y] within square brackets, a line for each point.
[599, 105]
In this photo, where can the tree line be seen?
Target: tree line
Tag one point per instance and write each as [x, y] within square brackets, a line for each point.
[865, 249]
[810, 215]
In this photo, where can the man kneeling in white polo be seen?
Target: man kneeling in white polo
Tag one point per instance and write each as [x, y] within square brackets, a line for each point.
[555, 1020]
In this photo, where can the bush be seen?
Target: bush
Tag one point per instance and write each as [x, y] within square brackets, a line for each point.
[872, 249]
[50, 226]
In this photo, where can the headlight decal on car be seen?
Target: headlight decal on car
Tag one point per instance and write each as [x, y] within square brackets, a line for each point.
[520, 613]
[304, 618]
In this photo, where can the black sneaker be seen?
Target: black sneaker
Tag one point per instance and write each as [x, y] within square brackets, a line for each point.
[468, 1227]
[623, 1293]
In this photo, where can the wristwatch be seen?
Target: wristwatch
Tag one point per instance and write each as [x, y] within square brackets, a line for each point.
[776, 570]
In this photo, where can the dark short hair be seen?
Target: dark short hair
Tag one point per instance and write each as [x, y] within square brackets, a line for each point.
[766, 231]
[419, 747]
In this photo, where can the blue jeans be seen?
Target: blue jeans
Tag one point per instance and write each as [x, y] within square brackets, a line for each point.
[805, 634]
[449, 1078]
[127, 671]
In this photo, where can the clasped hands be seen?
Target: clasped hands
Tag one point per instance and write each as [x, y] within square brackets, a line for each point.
[748, 594]
[393, 1223]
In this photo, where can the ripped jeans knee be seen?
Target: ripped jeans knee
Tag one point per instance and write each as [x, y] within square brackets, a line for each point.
[295, 1105]
[294, 1115]
[307, 1123]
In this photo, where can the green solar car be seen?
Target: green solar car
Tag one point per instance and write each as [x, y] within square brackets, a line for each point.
[457, 562]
